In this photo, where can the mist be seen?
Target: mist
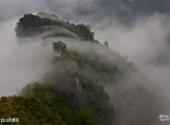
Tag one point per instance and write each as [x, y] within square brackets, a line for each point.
[22, 60]
[146, 43]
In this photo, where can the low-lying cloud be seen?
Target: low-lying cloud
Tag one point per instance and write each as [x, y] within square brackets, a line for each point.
[146, 43]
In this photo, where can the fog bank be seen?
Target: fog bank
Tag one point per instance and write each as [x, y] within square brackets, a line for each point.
[20, 63]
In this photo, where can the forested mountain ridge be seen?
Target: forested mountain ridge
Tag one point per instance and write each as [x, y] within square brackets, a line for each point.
[72, 92]
[33, 24]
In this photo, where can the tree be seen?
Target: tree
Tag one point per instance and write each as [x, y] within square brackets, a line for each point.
[30, 20]
[59, 47]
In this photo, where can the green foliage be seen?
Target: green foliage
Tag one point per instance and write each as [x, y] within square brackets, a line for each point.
[83, 31]
[34, 23]
[46, 104]
[29, 25]
[47, 21]
[30, 20]
[59, 47]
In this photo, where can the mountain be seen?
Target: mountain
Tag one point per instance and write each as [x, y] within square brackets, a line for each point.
[73, 90]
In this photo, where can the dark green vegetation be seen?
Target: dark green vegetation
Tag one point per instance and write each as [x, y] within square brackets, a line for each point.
[45, 104]
[72, 92]
[33, 24]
